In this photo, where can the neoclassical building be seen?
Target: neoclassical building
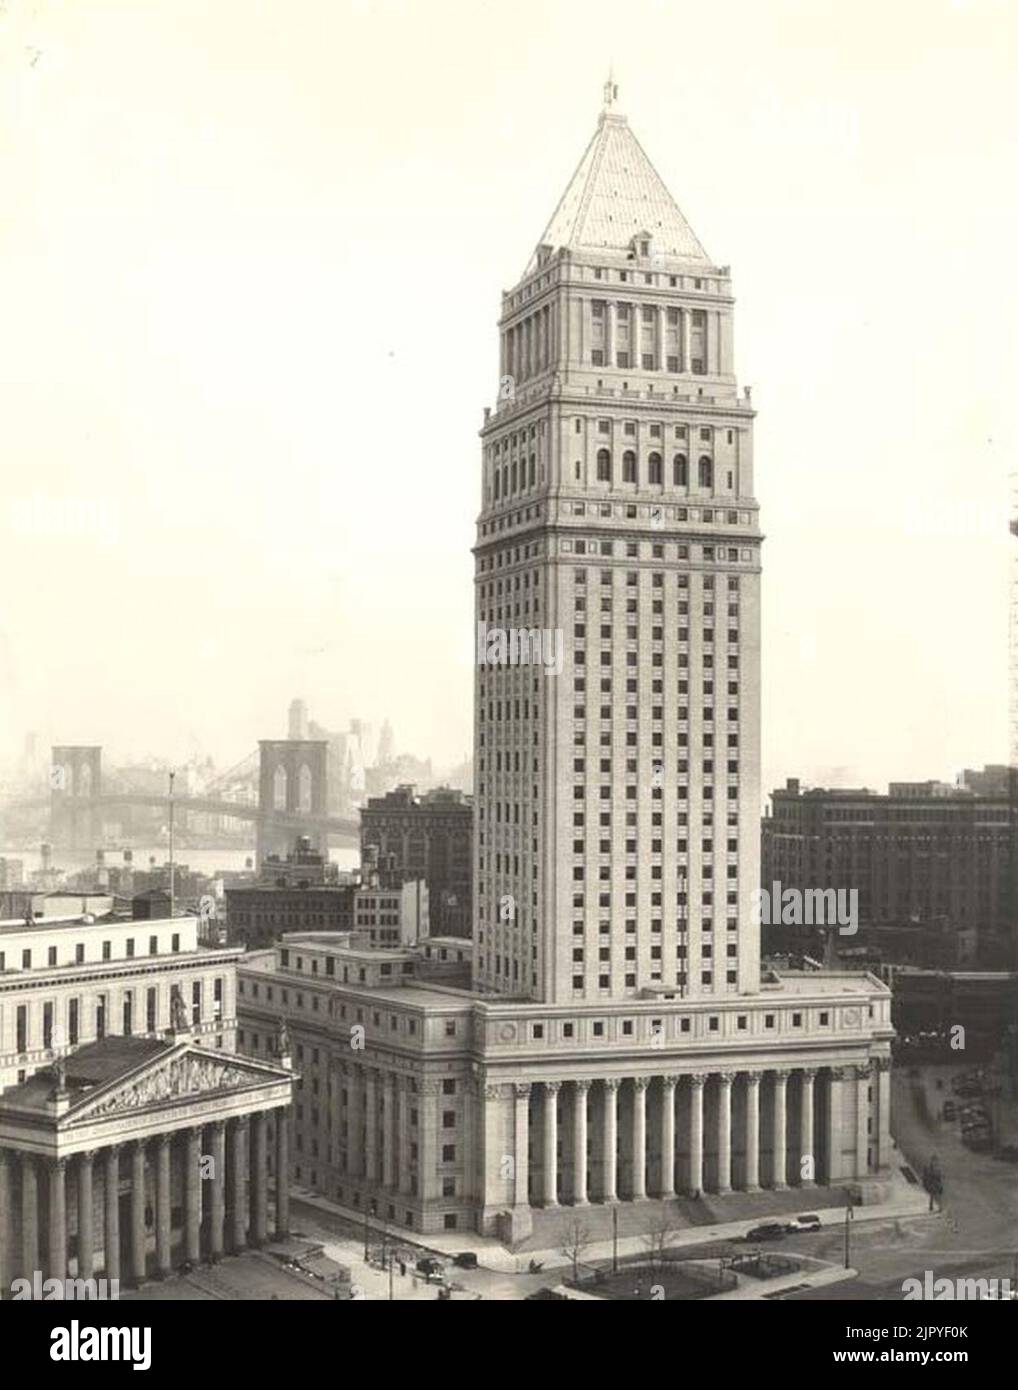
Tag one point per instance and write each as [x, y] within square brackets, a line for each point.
[439, 1108]
[622, 1040]
[132, 1139]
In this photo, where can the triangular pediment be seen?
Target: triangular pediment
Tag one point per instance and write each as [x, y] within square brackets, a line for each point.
[185, 1073]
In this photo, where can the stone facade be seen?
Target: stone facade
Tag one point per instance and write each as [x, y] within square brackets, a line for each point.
[134, 1156]
[444, 1108]
[73, 982]
[620, 1041]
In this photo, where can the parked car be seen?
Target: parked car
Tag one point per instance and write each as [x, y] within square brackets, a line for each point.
[808, 1222]
[769, 1230]
[428, 1266]
[466, 1259]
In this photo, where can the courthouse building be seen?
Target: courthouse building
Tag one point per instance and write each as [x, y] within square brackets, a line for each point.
[132, 1139]
[620, 1041]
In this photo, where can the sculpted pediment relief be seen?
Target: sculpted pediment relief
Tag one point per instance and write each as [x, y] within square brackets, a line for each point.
[177, 1079]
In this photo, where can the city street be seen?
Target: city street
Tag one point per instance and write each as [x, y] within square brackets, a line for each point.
[979, 1204]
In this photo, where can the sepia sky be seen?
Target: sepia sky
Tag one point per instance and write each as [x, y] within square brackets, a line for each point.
[250, 264]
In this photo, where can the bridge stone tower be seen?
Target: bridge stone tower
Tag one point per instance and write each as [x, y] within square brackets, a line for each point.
[292, 794]
[75, 788]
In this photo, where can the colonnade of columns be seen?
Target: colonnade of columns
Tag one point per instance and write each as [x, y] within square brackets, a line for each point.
[531, 345]
[218, 1174]
[626, 1138]
[387, 1116]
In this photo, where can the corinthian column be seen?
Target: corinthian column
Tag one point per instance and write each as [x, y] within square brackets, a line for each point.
[57, 1168]
[521, 1142]
[753, 1131]
[696, 1132]
[580, 1090]
[640, 1084]
[724, 1133]
[668, 1136]
[259, 1179]
[862, 1109]
[29, 1216]
[138, 1212]
[282, 1173]
[217, 1204]
[610, 1138]
[238, 1174]
[806, 1139]
[111, 1212]
[86, 1223]
[192, 1196]
[163, 1229]
[780, 1129]
[551, 1090]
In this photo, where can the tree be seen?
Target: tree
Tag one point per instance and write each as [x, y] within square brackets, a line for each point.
[575, 1239]
[659, 1233]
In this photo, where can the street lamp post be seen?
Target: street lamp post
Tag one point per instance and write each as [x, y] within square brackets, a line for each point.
[370, 1208]
[849, 1217]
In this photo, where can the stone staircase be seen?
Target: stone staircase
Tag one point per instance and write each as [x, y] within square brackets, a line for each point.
[555, 1227]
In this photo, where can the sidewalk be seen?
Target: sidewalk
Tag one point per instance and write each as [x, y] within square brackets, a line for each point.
[905, 1200]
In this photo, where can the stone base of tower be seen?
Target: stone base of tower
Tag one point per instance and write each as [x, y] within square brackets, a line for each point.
[510, 1225]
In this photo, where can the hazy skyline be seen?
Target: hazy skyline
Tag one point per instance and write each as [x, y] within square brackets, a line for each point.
[250, 313]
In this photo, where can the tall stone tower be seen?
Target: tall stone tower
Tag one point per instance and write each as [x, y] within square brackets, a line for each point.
[618, 797]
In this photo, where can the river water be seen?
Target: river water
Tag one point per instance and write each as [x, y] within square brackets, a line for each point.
[203, 861]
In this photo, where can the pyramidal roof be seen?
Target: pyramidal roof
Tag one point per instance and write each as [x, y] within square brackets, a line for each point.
[615, 193]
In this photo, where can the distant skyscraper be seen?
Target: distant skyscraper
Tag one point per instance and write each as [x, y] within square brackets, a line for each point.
[618, 801]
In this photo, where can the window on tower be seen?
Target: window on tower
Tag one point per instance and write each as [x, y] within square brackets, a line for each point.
[706, 471]
[604, 466]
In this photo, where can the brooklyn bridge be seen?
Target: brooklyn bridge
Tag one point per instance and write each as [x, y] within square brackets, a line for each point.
[292, 799]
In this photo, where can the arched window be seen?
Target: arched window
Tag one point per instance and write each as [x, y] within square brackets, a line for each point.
[706, 471]
[505, 480]
[533, 469]
[654, 473]
[279, 789]
[680, 471]
[604, 466]
[629, 467]
[514, 476]
[304, 789]
[498, 484]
